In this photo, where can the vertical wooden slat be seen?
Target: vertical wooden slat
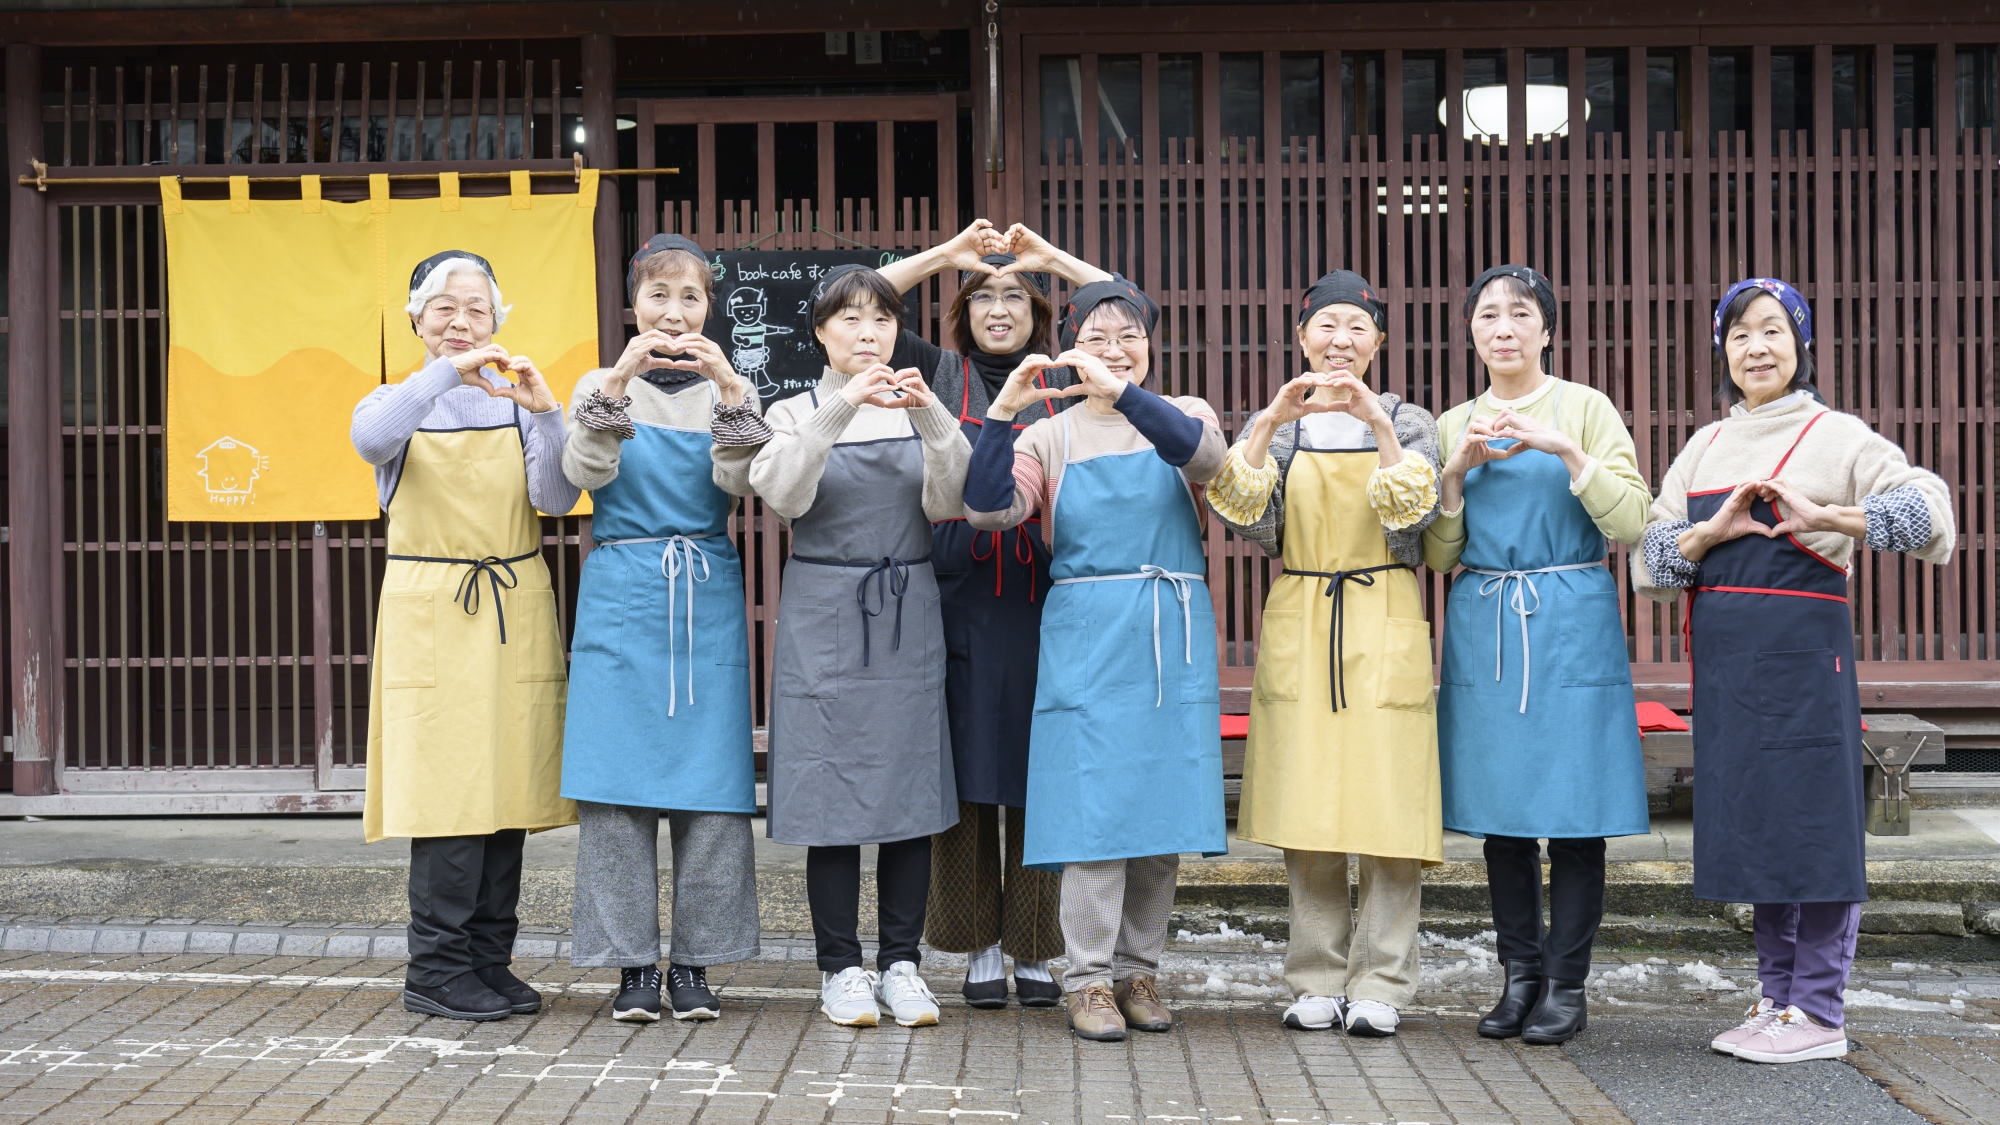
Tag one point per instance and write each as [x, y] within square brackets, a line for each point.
[1949, 428]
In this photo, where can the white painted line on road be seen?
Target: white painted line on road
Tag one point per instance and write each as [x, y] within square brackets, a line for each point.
[1986, 820]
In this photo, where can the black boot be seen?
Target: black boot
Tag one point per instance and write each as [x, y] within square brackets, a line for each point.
[1524, 987]
[1558, 1015]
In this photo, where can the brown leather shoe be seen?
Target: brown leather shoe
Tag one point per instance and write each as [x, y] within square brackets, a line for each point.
[1093, 1014]
[1139, 1001]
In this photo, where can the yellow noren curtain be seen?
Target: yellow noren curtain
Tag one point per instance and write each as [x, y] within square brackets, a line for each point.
[283, 314]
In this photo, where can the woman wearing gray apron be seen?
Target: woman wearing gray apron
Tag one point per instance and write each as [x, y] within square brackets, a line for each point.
[1757, 520]
[992, 586]
[858, 467]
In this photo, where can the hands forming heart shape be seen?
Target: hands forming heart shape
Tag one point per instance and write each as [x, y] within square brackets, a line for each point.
[888, 388]
[530, 390]
[1032, 253]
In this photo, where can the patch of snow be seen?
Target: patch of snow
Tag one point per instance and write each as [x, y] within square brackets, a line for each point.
[1479, 959]
[1624, 974]
[1226, 933]
[1869, 998]
[1907, 966]
[1705, 975]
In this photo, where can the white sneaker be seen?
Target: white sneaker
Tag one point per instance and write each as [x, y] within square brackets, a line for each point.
[848, 997]
[1371, 1018]
[906, 996]
[1315, 1013]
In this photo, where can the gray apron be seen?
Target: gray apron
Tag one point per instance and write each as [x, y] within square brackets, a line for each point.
[860, 750]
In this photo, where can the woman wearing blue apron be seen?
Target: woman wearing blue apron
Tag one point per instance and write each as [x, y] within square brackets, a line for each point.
[1757, 521]
[858, 468]
[1535, 731]
[1125, 758]
[991, 586]
[659, 696]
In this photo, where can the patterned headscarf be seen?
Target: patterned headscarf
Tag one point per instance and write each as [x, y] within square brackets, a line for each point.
[1344, 287]
[1792, 299]
[1090, 296]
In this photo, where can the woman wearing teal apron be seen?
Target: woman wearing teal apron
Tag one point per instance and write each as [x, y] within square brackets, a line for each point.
[1536, 737]
[466, 685]
[1757, 520]
[991, 586]
[659, 687]
[1125, 755]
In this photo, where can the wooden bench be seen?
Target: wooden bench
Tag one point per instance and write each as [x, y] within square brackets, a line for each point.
[1890, 746]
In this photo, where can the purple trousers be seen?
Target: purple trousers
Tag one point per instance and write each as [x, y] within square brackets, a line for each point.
[1804, 951]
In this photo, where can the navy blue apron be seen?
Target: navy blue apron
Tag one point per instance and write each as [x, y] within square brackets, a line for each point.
[1779, 804]
[991, 586]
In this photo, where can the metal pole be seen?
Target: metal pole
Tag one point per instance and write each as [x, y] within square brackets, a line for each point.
[33, 447]
[600, 149]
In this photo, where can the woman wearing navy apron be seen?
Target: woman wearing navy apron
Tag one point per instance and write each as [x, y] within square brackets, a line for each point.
[991, 586]
[1757, 520]
[1535, 731]
[1125, 754]
[858, 467]
[659, 697]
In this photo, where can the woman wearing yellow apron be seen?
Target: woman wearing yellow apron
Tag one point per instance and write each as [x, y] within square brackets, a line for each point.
[1339, 482]
[466, 686]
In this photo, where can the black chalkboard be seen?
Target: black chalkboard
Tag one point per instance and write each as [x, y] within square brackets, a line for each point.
[760, 318]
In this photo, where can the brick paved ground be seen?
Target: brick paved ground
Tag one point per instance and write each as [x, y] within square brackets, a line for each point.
[233, 1037]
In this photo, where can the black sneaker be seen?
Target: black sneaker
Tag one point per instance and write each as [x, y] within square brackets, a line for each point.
[463, 997]
[638, 995]
[519, 994]
[688, 991]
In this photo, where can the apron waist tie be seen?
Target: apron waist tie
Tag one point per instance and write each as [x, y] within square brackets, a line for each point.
[1183, 587]
[681, 560]
[892, 580]
[1524, 588]
[1024, 552]
[492, 566]
[1336, 649]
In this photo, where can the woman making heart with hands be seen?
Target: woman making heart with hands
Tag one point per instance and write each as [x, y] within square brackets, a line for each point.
[1339, 481]
[992, 586]
[1535, 731]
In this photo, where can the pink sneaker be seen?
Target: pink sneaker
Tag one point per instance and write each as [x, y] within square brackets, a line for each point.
[1754, 1021]
[1793, 1037]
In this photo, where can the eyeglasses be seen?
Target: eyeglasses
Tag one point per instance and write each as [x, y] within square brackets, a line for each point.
[1013, 298]
[1127, 342]
[447, 311]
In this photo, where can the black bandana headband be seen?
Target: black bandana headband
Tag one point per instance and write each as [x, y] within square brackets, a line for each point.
[658, 244]
[1040, 281]
[424, 268]
[1344, 287]
[1088, 297]
[1545, 293]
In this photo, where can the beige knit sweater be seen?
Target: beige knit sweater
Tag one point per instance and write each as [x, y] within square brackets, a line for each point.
[1843, 461]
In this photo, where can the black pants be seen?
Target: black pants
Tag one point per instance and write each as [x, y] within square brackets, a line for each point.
[463, 894]
[902, 887]
[1576, 901]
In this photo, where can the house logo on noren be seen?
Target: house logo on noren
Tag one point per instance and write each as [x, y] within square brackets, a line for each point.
[229, 470]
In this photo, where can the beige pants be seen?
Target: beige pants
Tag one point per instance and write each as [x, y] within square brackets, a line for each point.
[1366, 952]
[1114, 918]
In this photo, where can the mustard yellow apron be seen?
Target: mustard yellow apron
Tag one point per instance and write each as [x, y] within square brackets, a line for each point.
[465, 728]
[1343, 750]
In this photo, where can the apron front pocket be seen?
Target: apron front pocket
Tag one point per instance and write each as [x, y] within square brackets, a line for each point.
[1062, 677]
[1406, 665]
[809, 658]
[534, 640]
[407, 644]
[1799, 698]
[1280, 656]
[1591, 641]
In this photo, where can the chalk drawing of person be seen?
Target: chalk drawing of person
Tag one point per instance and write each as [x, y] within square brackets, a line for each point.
[751, 351]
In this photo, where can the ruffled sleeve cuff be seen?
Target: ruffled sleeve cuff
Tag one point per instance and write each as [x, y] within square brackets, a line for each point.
[1239, 494]
[1404, 493]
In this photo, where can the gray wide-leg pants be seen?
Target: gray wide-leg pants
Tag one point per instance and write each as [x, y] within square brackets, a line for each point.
[615, 914]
